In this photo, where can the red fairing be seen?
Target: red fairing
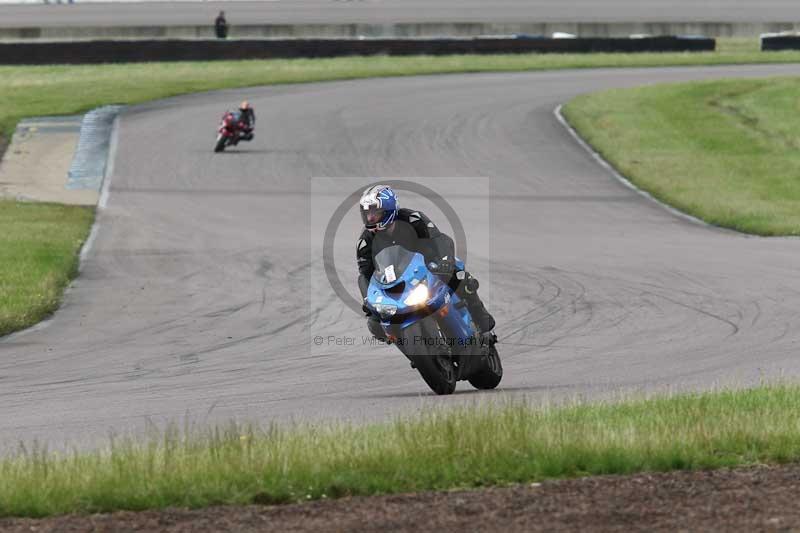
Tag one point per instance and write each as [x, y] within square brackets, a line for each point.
[228, 126]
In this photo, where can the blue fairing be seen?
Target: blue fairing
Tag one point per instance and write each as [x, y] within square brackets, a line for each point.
[389, 289]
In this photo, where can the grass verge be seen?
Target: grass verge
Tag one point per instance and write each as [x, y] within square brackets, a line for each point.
[39, 246]
[727, 152]
[468, 447]
[63, 90]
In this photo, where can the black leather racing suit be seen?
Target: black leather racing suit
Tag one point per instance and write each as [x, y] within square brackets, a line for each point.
[414, 231]
[248, 116]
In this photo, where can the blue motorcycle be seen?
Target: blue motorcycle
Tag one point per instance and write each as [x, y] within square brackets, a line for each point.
[429, 323]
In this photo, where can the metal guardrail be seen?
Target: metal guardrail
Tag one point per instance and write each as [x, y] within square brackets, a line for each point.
[19, 53]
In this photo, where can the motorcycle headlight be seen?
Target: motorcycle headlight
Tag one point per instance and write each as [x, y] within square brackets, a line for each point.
[418, 296]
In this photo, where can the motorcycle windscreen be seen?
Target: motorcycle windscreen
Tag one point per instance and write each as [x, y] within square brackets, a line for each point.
[391, 262]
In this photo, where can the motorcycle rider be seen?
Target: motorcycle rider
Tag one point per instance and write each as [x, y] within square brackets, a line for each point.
[247, 117]
[385, 224]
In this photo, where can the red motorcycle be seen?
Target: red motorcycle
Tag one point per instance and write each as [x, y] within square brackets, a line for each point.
[232, 129]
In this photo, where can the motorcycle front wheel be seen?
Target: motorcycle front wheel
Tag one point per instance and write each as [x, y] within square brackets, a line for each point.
[423, 344]
[220, 144]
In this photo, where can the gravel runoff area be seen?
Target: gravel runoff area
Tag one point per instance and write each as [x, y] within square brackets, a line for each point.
[748, 499]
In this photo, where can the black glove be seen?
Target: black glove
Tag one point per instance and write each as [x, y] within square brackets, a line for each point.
[442, 266]
[367, 310]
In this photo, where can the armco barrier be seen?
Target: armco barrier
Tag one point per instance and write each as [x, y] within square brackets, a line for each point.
[780, 42]
[22, 53]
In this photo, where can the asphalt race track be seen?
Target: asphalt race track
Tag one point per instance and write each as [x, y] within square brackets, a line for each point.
[194, 300]
[394, 11]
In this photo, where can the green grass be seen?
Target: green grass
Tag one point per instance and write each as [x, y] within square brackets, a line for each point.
[727, 151]
[38, 258]
[31, 293]
[468, 447]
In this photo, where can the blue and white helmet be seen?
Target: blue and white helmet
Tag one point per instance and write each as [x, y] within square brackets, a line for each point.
[378, 206]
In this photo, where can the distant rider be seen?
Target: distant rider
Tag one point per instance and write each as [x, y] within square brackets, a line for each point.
[247, 118]
[385, 224]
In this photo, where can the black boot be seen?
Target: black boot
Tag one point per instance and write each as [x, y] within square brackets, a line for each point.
[467, 288]
[480, 315]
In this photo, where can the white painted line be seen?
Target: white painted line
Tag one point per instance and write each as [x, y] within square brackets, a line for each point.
[112, 157]
[622, 179]
[104, 191]
[88, 245]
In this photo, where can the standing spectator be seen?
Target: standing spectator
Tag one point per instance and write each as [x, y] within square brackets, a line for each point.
[221, 26]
